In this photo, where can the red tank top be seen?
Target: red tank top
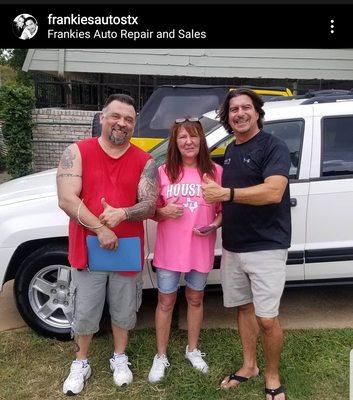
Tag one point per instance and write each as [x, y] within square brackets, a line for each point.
[114, 179]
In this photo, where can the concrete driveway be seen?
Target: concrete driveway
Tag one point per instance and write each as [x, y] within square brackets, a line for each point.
[301, 308]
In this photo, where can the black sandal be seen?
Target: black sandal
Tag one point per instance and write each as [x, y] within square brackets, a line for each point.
[274, 392]
[238, 378]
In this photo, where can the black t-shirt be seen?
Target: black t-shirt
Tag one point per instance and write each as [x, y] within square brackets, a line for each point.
[254, 228]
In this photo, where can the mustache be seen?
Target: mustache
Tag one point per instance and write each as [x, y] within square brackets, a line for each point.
[118, 129]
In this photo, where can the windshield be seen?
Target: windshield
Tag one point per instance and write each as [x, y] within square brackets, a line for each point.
[173, 107]
[159, 152]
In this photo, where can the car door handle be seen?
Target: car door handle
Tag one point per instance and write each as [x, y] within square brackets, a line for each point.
[293, 201]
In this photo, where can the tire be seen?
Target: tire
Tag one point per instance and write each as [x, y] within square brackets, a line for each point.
[42, 300]
[96, 126]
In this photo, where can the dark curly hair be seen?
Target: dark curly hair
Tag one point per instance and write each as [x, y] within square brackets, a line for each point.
[256, 100]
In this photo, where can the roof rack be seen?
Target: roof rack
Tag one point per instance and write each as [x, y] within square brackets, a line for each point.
[319, 96]
[328, 99]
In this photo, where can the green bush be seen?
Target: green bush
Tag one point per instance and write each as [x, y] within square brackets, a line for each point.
[2, 162]
[16, 104]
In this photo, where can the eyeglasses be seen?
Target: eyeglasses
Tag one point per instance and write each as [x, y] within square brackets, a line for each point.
[190, 119]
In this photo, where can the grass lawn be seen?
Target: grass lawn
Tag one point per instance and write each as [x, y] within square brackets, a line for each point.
[315, 366]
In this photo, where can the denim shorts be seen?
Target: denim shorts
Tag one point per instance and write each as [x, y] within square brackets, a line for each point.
[168, 281]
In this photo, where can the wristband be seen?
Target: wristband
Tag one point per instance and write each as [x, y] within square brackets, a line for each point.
[231, 198]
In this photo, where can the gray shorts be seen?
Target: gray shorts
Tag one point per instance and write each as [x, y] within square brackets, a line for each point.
[256, 277]
[89, 291]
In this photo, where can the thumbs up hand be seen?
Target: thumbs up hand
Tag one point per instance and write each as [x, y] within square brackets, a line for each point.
[206, 179]
[104, 203]
[172, 210]
[211, 191]
[111, 217]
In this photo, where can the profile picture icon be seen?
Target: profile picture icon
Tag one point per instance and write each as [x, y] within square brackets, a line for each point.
[25, 26]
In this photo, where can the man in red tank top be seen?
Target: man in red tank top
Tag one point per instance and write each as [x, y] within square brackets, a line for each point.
[107, 186]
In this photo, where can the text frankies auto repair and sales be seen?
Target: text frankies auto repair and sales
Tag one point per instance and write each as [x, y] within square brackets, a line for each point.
[124, 28]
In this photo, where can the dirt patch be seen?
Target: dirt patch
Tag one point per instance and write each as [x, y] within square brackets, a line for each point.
[4, 177]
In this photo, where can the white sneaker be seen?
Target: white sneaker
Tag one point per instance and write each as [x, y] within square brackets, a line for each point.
[160, 363]
[121, 372]
[75, 382]
[195, 357]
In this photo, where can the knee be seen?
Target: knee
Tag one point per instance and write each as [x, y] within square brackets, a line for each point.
[246, 308]
[194, 299]
[166, 302]
[267, 325]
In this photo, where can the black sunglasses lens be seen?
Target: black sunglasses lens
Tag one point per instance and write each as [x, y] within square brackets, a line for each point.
[181, 120]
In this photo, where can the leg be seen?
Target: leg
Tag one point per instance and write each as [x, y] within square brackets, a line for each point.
[120, 336]
[82, 344]
[124, 294]
[194, 292]
[272, 337]
[88, 294]
[163, 318]
[267, 286]
[237, 293]
[194, 319]
[248, 330]
[168, 282]
[194, 316]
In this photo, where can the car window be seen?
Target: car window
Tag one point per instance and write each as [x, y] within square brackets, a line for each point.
[337, 146]
[173, 107]
[291, 132]
[217, 152]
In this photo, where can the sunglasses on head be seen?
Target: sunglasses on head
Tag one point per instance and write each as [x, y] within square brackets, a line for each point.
[190, 119]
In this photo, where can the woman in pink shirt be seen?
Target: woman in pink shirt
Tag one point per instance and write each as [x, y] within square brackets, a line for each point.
[186, 236]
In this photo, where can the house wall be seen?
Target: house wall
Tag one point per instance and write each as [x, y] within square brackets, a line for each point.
[55, 130]
[244, 63]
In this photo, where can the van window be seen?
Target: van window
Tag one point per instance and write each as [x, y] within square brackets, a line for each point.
[337, 146]
[291, 132]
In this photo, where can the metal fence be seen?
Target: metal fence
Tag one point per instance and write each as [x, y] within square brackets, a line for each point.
[79, 95]
[85, 96]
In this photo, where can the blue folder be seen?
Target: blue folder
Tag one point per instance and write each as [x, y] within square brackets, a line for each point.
[127, 257]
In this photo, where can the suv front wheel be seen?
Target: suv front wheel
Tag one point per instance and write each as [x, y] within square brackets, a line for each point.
[42, 291]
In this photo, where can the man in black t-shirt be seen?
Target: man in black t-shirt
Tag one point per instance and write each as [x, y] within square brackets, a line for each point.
[256, 233]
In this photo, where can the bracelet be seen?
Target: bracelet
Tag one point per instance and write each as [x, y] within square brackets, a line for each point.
[126, 213]
[81, 223]
[231, 198]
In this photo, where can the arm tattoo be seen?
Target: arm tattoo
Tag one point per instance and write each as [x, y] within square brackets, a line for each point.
[67, 159]
[147, 193]
[68, 175]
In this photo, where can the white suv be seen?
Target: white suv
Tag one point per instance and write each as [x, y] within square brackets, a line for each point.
[319, 134]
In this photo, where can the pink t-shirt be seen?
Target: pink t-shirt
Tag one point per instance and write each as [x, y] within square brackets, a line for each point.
[177, 247]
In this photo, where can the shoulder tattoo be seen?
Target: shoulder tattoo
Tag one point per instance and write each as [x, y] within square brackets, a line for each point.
[67, 159]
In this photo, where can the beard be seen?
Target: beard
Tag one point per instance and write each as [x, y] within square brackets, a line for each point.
[118, 140]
